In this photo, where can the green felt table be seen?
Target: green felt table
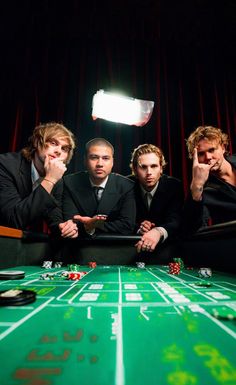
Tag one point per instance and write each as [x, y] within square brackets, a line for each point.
[119, 326]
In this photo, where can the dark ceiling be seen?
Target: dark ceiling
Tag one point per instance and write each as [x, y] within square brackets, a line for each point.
[181, 21]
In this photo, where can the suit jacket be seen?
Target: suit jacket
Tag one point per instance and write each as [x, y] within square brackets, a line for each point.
[117, 202]
[218, 204]
[166, 206]
[20, 207]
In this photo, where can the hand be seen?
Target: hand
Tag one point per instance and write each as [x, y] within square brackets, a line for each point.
[200, 174]
[145, 227]
[69, 229]
[54, 169]
[149, 241]
[90, 222]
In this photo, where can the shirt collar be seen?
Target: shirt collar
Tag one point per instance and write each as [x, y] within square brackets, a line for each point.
[152, 192]
[34, 173]
[103, 184]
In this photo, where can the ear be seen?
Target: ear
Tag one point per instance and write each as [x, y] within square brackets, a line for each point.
[223, 148]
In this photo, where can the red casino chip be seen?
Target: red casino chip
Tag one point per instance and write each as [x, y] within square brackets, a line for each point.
[74, 276]
[174, 268]
[92, 264]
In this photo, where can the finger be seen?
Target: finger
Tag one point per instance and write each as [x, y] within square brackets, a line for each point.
[195, 157]
[77, 217]
[46, 162]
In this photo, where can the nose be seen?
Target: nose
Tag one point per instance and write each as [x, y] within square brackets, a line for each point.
[208, 156]
[57, 150]
[99, 162]
[149, 170]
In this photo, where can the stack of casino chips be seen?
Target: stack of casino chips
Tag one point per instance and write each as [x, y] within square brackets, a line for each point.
[174, 268]
[92, 264]
[47, 264]
[180, 261]
[205, 272]
[140, 265]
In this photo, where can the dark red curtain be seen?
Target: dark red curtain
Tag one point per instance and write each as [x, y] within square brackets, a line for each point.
[54, 58]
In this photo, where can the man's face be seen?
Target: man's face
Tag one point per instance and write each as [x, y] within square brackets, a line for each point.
[55, 148]
[211, 152]
[99, 162]
[148, 170]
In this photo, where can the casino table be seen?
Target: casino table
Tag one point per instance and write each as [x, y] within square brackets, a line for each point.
[120, 325]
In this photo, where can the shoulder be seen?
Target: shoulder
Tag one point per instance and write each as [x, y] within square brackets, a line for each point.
[12, 160]
[11, 156]
[76, 176]
[231, 159]
[121, 179]
[170, 180]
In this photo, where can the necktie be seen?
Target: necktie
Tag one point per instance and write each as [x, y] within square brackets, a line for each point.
[98, 193]
[148, 199]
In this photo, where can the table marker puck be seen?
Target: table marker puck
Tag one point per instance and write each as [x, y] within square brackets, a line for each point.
[16, 297]
[11, 274]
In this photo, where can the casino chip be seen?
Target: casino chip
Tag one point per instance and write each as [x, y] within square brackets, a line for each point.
[11, 274]
[92, 264]
[140, 265]
[47, 264]
[204, 272]
[174, 268]
[203, 283]
[224, 313]
[16, 297]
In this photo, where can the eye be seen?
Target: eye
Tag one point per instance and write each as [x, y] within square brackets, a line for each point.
[66, 149]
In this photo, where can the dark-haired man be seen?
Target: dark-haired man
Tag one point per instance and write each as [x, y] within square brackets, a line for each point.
[101, 201]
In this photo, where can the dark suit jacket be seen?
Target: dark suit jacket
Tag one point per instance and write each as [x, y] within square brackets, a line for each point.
[166, 206]
[218, 204]
[20, 207]
[117, 202]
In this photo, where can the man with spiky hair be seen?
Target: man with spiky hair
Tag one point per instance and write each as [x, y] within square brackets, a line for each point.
[212, 196]
[29, 188]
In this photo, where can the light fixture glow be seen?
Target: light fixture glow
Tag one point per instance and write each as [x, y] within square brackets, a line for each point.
[121, 109]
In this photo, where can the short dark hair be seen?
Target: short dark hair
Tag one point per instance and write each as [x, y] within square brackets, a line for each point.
[98, 142]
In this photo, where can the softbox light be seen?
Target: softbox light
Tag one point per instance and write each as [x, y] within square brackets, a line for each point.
[121, 109]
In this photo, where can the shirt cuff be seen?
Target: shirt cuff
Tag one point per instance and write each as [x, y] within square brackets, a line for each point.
[163, 232]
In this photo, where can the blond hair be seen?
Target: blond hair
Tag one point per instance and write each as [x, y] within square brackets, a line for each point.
[206, 132]
[146, 149]
[43, 133]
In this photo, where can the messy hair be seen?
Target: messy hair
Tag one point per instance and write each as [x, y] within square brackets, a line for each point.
[146, 149]
[43, 133]
[206, 132]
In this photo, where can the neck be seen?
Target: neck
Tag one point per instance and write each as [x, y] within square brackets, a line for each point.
[39, 165]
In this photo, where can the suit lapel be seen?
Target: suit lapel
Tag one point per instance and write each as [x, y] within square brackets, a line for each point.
[25, 182]
[110, 196]
[82, 193]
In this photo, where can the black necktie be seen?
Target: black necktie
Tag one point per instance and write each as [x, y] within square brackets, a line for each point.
[148, 199]
[98, 192]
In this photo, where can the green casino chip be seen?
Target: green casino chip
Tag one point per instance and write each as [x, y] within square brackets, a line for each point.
[203, 284]
[224, 313]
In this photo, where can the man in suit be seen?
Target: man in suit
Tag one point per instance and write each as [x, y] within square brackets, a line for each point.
[29, 188]
[112, 209]
[159, 200]
[212, 196]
